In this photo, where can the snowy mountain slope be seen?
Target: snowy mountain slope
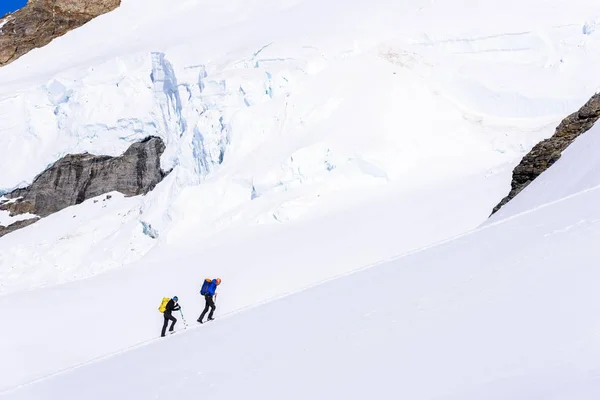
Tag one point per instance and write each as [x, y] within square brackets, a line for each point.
[302, 149]
[253, 104]
[53, 251]
[116, 310]
[507, 311]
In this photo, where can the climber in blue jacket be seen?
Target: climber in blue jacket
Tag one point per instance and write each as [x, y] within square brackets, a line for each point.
[208, 290]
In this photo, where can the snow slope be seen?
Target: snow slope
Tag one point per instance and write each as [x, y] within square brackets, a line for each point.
[262, 116]
[57, 245]
[307, 139]
[509, 310]
[89, 318]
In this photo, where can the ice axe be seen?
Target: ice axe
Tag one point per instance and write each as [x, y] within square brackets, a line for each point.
[183, 319]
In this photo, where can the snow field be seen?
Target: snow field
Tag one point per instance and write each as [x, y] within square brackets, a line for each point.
[302, 149]
[506, 311]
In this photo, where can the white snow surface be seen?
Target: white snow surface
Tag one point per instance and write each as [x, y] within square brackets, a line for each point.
[507, 311]
[6, 219]
[308, 139]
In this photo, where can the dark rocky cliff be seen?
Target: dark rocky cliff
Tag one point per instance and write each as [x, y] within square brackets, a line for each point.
[548, 151]
[38, 23]
[78, 177]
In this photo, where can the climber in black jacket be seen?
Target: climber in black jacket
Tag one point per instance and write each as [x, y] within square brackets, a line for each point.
[171, 306]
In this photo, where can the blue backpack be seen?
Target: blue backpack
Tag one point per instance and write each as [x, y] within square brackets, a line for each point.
[205, 285]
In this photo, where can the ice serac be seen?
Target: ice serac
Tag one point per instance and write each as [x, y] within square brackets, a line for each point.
[548, 151]
[38, 23]
[78, 177]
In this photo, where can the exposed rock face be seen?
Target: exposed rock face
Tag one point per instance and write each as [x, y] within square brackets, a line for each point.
[548, 151]
[40, 21]
[5, 230]
[78, 177]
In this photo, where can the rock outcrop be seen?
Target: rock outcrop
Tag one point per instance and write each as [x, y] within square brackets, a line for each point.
[548, 151]
[78, 177]
[40, 21]
[5, 230]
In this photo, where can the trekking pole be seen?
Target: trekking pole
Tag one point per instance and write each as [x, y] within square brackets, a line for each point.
[183, 318]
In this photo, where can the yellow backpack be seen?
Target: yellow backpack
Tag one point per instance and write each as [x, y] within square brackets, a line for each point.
[163, 304]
